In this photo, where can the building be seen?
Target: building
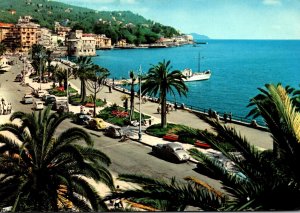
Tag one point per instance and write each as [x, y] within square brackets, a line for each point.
[45, 38]
[20, 37]
[102, 42]
[29, 32]
[5, 28]
[61, 30]
[80, 44]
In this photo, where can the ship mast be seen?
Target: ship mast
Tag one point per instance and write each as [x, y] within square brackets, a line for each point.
[199, 61]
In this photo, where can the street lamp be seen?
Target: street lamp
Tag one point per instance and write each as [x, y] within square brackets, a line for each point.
[40, 56]
[67, 84]
[140, 97]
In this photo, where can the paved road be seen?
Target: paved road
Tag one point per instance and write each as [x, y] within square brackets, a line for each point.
[134, 158]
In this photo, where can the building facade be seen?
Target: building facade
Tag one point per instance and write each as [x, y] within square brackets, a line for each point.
[80, 44]
[102, 42]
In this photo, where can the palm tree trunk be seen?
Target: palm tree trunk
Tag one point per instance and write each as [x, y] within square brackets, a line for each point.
[131, 101]
[83, 92]
[163, 110]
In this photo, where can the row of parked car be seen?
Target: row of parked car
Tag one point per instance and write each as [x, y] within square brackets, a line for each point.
[97, 124]
[44, 98]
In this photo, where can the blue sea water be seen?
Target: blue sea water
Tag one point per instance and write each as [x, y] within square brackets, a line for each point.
[238, 68]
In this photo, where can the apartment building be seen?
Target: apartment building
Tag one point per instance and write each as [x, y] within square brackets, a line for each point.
[102, 42]
[20, 37]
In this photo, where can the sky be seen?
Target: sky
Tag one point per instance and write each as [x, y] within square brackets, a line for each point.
[217, 19]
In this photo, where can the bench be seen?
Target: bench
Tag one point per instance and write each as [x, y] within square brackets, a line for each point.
[171, 137]
[202, 144]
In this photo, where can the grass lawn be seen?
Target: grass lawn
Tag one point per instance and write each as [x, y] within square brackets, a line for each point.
[117, 115]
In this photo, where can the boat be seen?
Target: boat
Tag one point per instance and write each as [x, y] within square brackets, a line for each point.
[196, 76]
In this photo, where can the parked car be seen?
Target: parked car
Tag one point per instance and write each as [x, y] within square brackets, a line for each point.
[27, 99]
[172, 151]
[38, 105]
[50, 100]
[114, 132]
[81, 118]
[45, 96]
[62, 109]
[40, 93]
[97, 124]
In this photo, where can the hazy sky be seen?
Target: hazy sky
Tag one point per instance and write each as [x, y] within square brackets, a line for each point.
[218, 19]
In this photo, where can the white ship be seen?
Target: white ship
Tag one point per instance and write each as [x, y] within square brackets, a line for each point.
[196, 76]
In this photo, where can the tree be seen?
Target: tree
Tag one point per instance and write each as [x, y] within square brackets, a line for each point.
[255, 180]
[133, 79]
[96, 82]
[38, 55]
[44, 172]
[161, 81]
[81, 71]
[2, 49]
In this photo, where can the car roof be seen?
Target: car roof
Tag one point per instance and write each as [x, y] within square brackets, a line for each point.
[173, 145]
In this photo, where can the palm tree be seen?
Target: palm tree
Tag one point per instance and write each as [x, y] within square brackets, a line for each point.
[2, 49]
[161, 81]
[83, 63]
[133, 78]
[38, 53]
[170, 195]
[44, 172]
[256, 180]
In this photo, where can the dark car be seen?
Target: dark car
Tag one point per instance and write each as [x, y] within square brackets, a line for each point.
[81, 118]
[114, 132]
[172, 151]
[50, 100]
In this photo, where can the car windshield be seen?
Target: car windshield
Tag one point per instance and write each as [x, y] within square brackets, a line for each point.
[178, 148]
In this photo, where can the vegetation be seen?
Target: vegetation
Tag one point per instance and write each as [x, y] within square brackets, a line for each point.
[83, 72]
[115, 24]
[96, 81]
[44, 172]
[256, 180]
[121, 118]
[59, 92]
[160, 81]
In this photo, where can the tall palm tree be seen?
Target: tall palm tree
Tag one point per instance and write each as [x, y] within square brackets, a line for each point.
[44, 172]
[83, 63]
[160, 81]
[256, 180]
[38, 55]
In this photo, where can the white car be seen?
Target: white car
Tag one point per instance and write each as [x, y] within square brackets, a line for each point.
[41, 93]
[38, 105]
[27, 99]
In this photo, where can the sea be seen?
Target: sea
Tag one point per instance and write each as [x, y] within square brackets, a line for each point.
[239, 68]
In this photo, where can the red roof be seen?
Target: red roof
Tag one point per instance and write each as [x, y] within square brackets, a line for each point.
[6, 24]
[88, 35]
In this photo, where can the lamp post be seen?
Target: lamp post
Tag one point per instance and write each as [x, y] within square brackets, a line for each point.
[40, 55]
[67, 84]
[140, 99]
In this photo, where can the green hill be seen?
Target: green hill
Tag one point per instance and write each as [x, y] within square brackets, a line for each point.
[115, 24]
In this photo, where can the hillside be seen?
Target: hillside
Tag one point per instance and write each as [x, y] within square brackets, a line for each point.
[115, 24]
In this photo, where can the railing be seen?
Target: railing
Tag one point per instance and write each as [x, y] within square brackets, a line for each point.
[233, 116]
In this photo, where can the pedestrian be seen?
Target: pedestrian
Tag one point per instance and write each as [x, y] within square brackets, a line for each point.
[109, 88]
[167, 109]
[150, 122]
[209, 112]
[175, 106]
[225, 117]
[81, 109]
[118, 202]
[230, 116]
[158, 109]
